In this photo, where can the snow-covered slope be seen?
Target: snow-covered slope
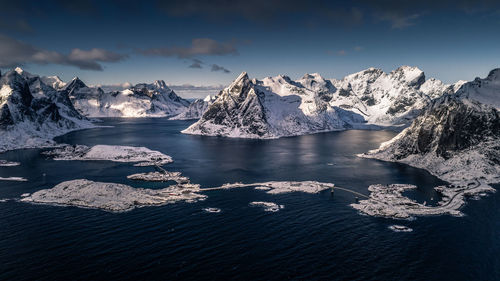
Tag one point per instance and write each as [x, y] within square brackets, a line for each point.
[196, 109]
[141, 100]
[388, 99]
[457, 138]
[278, 106]
[32, 113]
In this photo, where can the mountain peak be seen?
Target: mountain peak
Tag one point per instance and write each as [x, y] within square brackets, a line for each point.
[242, 79]
[372, 72]
[314, 75]
[23, 73]
[411, 74]
[242, 76]
[75, 84]
[160, 84]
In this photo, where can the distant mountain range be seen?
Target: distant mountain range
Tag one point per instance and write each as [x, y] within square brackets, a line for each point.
[141, 100]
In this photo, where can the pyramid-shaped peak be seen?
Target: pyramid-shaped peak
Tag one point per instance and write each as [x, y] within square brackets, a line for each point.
[75, 84]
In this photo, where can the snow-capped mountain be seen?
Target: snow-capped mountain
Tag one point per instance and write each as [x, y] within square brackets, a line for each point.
[388, 99]
[32, 113]
[278, 106]
[141, 100]
[457, 138]
[196, 109]
[271, 108]
[53, 81]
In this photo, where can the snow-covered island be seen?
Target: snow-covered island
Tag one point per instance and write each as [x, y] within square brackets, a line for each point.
[5, 163]
[389, 201]
[279, 187]
[400, 228]
[141, 155]
[267, 206]
[113, 197]
[13, 179]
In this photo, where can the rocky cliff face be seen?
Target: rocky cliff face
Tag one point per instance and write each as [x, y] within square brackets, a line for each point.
[457, 137]
[238, 110]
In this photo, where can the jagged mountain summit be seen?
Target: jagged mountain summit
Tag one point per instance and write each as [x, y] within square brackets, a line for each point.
[32, 113]
[278, 106]
[457, 138]
[141, 100]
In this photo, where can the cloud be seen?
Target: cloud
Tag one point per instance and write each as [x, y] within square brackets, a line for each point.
[14, 52]
[215, 67]
[199, 46]
[196, 64]
[114, 87]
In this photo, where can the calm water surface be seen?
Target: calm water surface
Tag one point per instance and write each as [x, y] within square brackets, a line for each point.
[315, 237]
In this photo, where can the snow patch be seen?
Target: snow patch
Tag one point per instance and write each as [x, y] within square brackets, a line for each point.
[13, 179]
[212, 210]
[400, 228]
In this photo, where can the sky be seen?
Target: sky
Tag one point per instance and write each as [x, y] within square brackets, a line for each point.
[208, 43]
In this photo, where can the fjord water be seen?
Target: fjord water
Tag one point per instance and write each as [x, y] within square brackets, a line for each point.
[315, 237]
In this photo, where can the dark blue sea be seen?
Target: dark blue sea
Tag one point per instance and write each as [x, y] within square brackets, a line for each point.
[315, 237]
